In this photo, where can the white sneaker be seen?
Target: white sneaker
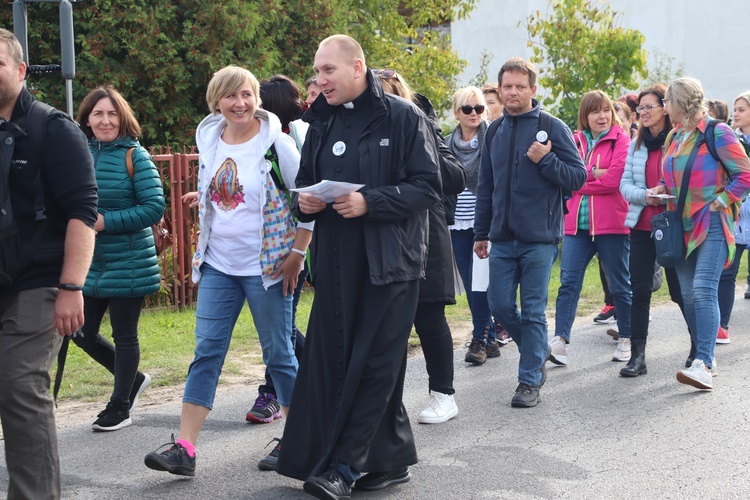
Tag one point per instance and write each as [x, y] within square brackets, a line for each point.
[440, 408]
[558, 351]
[698, 375]
[622, 353]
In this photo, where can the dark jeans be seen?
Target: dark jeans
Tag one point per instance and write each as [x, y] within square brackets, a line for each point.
[122, 358]
[298, 339]
[642, 259]
[463, 250]
[28, 345]
[726, 287]
[437, 345]
[608, 300]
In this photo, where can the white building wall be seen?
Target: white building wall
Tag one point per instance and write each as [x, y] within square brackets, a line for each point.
[707, 36]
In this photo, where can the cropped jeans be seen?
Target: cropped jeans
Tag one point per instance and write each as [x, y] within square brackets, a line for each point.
[220, 300]
[699, 281]
[528, 265]
[577, 252]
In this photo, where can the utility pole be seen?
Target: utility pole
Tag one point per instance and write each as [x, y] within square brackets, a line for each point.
[67, 64]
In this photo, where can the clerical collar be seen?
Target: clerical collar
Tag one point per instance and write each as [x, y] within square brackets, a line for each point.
[349, 105]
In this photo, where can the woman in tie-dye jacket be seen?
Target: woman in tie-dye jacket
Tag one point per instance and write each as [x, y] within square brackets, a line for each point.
[715, 190]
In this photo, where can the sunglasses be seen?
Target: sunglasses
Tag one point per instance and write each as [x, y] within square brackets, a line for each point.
[468, 109]
[385, 73]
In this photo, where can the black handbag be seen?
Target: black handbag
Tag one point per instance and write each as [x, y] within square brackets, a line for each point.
[667, 231]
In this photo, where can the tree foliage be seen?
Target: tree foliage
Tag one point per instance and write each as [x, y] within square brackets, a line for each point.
[581, 46]
[161, 54]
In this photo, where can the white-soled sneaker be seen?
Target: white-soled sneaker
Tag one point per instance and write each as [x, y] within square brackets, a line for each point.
[440, 408]
[698, 375]
[622, 352]
[558, 352]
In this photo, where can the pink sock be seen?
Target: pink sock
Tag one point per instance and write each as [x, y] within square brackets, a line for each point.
[189, 447]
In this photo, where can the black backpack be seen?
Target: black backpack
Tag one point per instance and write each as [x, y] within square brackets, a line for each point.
[16, 254]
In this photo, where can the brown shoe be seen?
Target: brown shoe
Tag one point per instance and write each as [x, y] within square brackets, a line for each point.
[613, 333]
[492, 349]
[476, 355]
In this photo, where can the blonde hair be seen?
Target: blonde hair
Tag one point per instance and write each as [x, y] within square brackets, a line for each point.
[745, 95]
[230, 79]
[464, 95]
[397, 86]
[686, 94]
[14, 46]
[594, 101]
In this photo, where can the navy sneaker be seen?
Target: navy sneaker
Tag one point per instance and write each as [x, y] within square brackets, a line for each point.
[269, 463]
[174, 460]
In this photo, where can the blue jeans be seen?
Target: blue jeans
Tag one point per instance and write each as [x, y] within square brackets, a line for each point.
[726, 287]
[528, 265]
[220, 299]
[463, 250]
[577, 252]
[699, 281]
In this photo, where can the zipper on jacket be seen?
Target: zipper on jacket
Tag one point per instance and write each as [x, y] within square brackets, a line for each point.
[511, 171]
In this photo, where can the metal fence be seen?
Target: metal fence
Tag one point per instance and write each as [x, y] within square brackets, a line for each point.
[179, 176]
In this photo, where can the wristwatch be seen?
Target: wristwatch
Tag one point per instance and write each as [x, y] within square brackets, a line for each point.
[70, 287]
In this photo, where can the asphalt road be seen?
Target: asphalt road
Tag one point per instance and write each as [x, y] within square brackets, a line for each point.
[594, 435]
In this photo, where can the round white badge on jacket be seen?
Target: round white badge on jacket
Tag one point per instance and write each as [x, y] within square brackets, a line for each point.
[339, 148]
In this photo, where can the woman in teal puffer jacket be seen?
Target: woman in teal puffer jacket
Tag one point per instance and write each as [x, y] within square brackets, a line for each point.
[125, 268]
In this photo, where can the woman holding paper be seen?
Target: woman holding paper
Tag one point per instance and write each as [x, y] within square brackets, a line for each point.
[465, 142]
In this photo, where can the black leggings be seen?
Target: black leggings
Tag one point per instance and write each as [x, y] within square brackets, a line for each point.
[437, 345]
[122, 358]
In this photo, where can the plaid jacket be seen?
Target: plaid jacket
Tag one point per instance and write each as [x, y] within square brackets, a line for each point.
[708, 181]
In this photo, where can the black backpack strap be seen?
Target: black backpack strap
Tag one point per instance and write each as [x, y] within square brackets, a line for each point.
[711, 140]
[545, 122]
[36, 129]
[492, 130]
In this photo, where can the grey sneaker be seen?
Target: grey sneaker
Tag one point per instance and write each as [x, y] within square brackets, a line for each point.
[622, 352]
[698, 375]
[558, 351]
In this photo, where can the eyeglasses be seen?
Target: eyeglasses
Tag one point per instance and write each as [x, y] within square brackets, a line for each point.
[649, 108]
[385, 73]
[468, 109]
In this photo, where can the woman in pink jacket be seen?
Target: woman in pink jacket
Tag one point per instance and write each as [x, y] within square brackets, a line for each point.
[595, 224]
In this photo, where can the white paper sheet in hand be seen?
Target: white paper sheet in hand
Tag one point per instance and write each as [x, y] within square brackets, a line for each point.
[329, 190]
[480, 276]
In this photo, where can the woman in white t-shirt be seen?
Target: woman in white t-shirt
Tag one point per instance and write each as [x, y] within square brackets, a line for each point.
[249, 249]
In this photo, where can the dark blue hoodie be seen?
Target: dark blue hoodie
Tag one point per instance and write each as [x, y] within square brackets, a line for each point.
[518, 200]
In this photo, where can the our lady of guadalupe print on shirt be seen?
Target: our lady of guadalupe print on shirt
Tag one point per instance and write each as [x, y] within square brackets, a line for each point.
[225, 189]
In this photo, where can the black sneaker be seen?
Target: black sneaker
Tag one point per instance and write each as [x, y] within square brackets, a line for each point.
[174, 460]
[380, 480]
[492, 349]
[525, 397]
[266, 409]
[606, 316]
[331, 485]
[112, 418]
[269, 463]
[476, 354]
[142, 381]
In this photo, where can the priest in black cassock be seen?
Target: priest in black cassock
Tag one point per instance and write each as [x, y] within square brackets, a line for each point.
[347, 416]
